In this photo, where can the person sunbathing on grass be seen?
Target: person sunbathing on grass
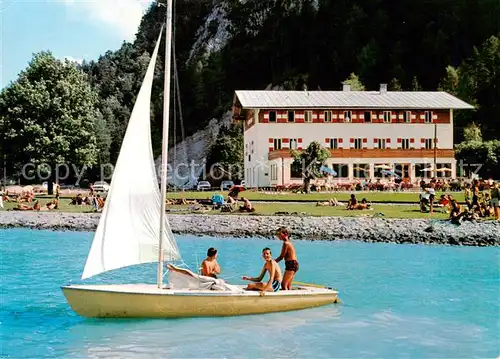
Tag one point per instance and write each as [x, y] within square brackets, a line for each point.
[331, 202]
[352, 203]
[24, 207]
[247, 206]
[270, 266]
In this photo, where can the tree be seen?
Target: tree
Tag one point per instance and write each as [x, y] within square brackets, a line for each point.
[415, 86]
[394, 85]
[355, 83]
[227, 152]
[309, 161]
[451, 81]
[50, 115]
[477, 155]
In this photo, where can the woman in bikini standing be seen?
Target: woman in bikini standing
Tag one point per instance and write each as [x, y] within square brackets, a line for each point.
[290, 256]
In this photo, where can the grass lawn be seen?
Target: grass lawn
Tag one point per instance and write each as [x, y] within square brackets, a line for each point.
[388, 211]
[388, 197]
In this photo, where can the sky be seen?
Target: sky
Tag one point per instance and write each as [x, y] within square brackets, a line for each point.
[73, 29]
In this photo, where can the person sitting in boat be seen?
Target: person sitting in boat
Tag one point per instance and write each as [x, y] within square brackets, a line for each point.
[288, 253]
[270, 266]
[210, 267]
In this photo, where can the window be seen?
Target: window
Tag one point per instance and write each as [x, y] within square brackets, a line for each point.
[407, 116]
[361, 170]
[380, 170]
[342, 170]
[428, 144]
[358, 143]
[381, 143]
[295, 170]
[387, 116]
[445, 173]
[347, 116]
[308, 116]
[251, 147]
[274, 172]
[291, 116]
[368, 116]
[277, 143]
[328, 116]
[428, 116]
[405, 143]
[334, 143]
[293, 143]
[272, 116]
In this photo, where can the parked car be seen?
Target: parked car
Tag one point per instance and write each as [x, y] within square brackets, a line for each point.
[101, 186]
[225, 185]
[203, 185]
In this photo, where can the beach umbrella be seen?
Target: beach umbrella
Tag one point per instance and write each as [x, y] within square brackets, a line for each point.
[328, 170]
[390, 173]
[383, 167]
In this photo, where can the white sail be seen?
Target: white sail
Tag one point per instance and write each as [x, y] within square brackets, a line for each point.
[128, 229]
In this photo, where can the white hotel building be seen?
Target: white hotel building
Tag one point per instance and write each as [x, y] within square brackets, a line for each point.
[364, 131]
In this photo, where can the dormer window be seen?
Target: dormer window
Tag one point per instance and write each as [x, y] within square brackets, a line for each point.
[328, 116]
[291, 116]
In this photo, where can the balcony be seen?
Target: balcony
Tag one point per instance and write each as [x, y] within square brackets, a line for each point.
[374, 153]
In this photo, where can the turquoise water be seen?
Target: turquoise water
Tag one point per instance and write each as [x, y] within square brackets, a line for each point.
[401, 301]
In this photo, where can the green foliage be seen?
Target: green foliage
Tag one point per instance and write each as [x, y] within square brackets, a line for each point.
[49, 115]
[354, 82]
[415, 86]
[475, 154]
[472, 133]
[310, 161]
[394, 85]
[228, 151]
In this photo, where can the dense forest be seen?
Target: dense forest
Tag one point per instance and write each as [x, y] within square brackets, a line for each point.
[224, 45]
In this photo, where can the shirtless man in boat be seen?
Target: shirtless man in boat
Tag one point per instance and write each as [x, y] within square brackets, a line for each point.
[210, 267]
[270, 266]
[290, 256]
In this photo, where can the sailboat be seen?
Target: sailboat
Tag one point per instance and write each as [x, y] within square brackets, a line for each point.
[133, 229]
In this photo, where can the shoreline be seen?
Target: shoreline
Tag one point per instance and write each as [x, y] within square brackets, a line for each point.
[367, 229]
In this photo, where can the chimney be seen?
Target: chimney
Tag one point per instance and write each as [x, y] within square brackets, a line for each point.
[383, 88]
[346, 87]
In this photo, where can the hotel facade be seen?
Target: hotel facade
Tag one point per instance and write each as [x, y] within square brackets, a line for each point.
[366, 133]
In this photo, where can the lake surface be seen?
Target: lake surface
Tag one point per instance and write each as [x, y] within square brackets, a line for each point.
[400, 301]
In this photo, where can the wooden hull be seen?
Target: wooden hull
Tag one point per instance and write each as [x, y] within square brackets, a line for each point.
[147, 301]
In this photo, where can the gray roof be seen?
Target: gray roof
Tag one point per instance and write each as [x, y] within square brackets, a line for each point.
[350, 99]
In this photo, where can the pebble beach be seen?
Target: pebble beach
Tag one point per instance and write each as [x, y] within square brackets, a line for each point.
[367, 229]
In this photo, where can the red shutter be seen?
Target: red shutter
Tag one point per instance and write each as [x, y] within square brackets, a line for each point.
[412, 140]
[400, 140]
[299, 140]
[375, 140]
[351, 140]
[388, 140]
[271, 140]
[422, 140]
[271, 149]
[341, 140]
[285, 140]
[365, 140]
[327, 140]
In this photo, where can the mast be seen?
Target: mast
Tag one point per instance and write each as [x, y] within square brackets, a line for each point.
[435, 149]
[164, 152]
